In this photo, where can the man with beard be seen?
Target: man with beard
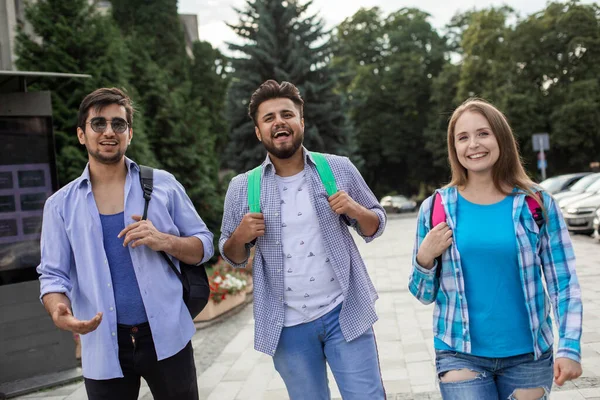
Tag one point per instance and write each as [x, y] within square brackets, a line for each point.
[101, 275]
[313, 299]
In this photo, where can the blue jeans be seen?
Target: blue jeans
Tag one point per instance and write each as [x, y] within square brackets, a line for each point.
[497, 378]
[303, 350]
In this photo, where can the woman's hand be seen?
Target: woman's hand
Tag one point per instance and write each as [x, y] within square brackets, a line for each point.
[435, 243]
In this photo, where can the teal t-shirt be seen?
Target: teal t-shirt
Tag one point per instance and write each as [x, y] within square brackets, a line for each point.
[486, 240]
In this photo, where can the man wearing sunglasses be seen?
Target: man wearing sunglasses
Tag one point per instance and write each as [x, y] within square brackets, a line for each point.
[101, 275]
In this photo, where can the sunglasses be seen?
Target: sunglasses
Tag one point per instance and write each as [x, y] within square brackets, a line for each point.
[99, 124]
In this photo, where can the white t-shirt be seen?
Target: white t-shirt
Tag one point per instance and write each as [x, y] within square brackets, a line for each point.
[311, 287]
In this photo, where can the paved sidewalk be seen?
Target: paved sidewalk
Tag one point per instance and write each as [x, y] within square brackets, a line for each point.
[230, 369]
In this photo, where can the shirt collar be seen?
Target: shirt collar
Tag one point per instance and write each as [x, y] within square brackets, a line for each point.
[85, 176]
[307, 156]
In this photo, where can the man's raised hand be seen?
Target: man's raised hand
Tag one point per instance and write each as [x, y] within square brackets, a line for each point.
[251, 227]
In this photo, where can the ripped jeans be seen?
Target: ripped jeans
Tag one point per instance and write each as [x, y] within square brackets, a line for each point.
[497, 378]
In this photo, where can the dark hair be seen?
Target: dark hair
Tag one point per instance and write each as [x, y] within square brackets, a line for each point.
[273, 90]
[101, 98]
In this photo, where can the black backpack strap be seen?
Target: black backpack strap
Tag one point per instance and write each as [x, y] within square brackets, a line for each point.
[147, 182]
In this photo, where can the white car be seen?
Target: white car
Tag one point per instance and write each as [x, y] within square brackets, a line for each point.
[596, 224]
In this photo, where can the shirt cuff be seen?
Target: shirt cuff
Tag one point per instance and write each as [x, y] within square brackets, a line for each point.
[243, 264]
[425, 271]
[382, 220]
[207, 247]
[55, 288]
[569, 348]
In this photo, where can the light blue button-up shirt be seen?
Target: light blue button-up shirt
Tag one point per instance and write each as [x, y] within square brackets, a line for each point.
[73, 261]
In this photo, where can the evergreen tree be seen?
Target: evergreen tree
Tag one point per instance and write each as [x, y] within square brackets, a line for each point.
[181, 119]
[210, 82]
[283, 42]
[72, 37]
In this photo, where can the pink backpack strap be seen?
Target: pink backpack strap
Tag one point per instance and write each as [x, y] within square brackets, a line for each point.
[438, 215]
[534, 205]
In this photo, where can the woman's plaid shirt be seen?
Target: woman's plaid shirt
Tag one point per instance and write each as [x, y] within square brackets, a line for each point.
[358, 309]
[544, 254]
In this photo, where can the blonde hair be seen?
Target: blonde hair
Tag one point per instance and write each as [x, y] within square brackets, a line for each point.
[508, 170]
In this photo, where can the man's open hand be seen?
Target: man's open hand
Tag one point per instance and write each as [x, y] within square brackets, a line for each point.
[64, 319]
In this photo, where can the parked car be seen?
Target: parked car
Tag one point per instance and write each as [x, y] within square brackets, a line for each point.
[398, 204]
[579, 187]
[579, 215]
[596, 224]
[592, 190]
[559, 183]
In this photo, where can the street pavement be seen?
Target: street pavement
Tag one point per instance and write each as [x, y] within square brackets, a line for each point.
[230, 369]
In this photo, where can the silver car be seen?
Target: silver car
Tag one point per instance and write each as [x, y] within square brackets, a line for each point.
[579, 187]
[579, 215]
[398, 204]
[591, 190]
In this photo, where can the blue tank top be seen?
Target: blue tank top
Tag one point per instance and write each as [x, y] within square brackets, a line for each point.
[486, 240]
[128, 299]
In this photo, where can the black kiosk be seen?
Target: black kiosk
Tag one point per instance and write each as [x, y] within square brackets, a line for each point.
[33, 352]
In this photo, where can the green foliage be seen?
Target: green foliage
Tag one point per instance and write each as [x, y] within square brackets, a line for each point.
[283, 42]
[73, 38]
[182, 99]
[390, 65]
[543, 73]
[379, 88]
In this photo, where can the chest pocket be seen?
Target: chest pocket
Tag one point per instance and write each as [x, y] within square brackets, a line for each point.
[531, 244]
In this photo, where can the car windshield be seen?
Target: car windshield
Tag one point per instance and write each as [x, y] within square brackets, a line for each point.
[554, 184]
[594, 187]
[584, 183]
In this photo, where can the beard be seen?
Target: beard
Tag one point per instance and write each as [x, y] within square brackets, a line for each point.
[104, 159]
[288, 150]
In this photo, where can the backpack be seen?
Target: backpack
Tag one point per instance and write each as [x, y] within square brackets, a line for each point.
[323, 168]
[196, 290]
[438, 215]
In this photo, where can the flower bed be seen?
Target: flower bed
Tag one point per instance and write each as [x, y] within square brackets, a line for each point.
[228, 288]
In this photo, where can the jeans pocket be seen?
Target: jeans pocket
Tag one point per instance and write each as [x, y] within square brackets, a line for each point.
[444, 358]
[445, 353]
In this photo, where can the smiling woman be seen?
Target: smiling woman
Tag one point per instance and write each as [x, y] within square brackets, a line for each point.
[489, 313]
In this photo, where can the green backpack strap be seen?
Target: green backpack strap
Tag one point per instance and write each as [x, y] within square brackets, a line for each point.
[325, 173]
[323, 168]
[254, 189]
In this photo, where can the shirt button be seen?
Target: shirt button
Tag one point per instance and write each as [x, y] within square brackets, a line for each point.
[109, 285]
[280, 298]
[277, 214]
[105, 261]
[460, 297]
[114, 334]
[111, 309]
[279, 270]
[277, 242]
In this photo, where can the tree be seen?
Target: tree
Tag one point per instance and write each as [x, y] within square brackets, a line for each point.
[392, 61]
[71, 37]
[210, 81]
[557, 51]
[282, 42]
[182, 115]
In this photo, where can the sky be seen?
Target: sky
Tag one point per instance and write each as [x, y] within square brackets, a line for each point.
[213, 14]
